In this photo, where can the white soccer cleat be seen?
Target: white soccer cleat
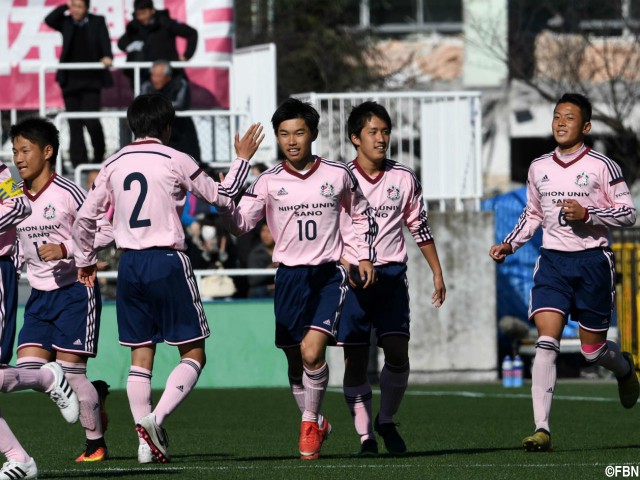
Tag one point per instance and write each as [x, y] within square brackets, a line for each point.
[13, 470]
[155, 436]
[62, 394]
[144, 453]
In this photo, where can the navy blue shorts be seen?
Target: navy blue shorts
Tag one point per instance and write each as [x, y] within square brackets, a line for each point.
[578, 283]
[157, 299]
[66, 319]
[8, 308]
[384, 305]
[308, 297]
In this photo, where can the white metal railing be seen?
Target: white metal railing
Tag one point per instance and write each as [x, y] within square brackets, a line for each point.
[233, 117]
[117, 65]
[7, 155]
[199, 274]
[438, 134]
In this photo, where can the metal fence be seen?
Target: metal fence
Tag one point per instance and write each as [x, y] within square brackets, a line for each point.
[438, 134]
[215, 128]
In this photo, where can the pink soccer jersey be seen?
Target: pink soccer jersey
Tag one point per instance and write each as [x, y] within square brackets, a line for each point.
[12, 211]
[53, 212]
[303, 212]
[146, 182]
[587, 176]
[395, 196]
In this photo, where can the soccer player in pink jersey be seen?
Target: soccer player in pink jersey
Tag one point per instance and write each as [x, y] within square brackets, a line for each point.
[157, 296]
[576, 194]
[395, 195]
[14, 207]
[62, 316]
[301, 199]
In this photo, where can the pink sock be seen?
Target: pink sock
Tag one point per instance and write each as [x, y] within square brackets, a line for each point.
[15, 379]
[179, 384]
[139, 393]
[31, 363]
[543, 380]
[359, 403]
[9, 445]
[393, 384]
[297, 389]
[315, 385]
[76, 374]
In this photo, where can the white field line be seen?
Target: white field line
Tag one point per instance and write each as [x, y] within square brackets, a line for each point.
[467, 394]
[322, 466]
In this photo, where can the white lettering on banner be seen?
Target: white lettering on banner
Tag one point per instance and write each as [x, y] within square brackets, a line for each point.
[29, 42]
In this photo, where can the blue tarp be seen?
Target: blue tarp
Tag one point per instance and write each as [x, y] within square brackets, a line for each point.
[514, 278]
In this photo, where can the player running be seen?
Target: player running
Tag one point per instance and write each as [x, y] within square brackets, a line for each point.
[62, 316]
[576, 194]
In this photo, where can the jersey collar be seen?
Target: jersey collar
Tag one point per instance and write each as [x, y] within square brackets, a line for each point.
[302, 176]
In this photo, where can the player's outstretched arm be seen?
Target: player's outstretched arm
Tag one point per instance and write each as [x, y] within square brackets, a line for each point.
[499, 252]
[247, 146]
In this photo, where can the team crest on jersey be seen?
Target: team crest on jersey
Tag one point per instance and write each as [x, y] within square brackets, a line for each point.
[393, 193]
[49, 212]
[582, 179]
[327, 190]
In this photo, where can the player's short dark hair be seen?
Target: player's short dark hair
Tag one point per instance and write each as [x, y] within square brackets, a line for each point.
[149, 115]
[293, 108]
[87, 3]
[580, 101]
[142, 4]
[363, 112]
[39, 131]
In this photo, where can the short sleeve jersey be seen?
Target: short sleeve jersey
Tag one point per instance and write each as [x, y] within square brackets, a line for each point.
[303, 212]
[395, 195]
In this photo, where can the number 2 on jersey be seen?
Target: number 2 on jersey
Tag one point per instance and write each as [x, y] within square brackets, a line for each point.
[134, 221]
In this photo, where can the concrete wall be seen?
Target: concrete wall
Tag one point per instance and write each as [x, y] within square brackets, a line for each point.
[457, 341]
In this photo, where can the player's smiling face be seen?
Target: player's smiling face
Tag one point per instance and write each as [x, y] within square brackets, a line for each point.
[373, 141]
[31, 160]
[295, 139]
[568, 126]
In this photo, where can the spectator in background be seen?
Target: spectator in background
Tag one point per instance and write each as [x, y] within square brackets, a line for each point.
[151, 35]
[176, 89]
[85, 38]
[262, 286]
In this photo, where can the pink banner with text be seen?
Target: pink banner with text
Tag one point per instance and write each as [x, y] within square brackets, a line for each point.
[27, 43]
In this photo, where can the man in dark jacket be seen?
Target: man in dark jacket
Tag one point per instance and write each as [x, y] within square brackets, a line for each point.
[151, 35]
[163, 81]
[85, 38]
